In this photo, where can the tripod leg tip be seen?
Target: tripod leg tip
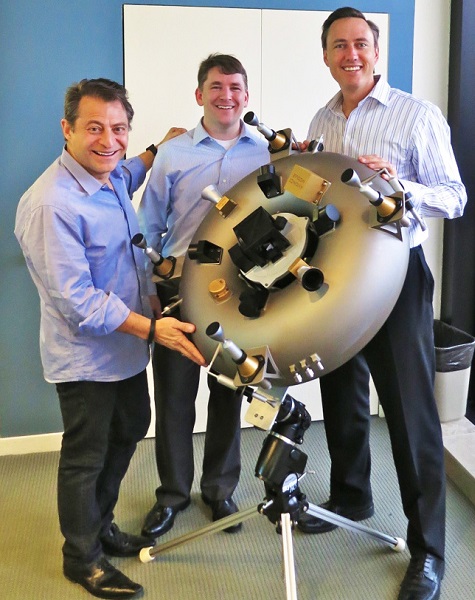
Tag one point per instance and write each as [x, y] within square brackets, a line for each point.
[145, 555]
[400, 545]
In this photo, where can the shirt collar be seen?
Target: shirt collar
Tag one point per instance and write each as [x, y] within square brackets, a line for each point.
[90, 184]
[380, 93]
[201, 134]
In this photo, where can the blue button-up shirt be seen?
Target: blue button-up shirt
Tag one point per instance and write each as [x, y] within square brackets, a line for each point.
[75, 234]
[171, 208]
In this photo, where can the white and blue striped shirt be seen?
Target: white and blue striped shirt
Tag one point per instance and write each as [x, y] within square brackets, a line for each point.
[411, 134]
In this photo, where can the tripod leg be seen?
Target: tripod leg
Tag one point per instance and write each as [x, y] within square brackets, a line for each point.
[397, 544]
[148, 554]
[288, 557]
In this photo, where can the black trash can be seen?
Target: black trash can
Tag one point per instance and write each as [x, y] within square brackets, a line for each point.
[453, 360]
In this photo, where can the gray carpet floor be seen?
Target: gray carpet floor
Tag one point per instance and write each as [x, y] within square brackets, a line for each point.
[340, 565]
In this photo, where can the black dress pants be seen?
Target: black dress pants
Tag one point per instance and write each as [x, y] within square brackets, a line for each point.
[176, 381]
[401, 359]
[102, 424]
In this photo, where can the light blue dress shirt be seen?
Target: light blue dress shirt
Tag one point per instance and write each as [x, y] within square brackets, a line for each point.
[171, 208]
[411, 134]
[75, 234]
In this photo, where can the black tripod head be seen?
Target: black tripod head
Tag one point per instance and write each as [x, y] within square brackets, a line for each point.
[281, 463]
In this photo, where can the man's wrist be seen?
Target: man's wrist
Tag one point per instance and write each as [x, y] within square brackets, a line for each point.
[152, 148]
[151, 333]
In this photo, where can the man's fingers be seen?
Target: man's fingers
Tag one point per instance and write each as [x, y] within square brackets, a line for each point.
[171, 333]
[191, 351]
[186, 327]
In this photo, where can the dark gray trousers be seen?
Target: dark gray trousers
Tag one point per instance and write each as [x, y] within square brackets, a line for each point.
[103, 421]
[401, 358]
[176, 381]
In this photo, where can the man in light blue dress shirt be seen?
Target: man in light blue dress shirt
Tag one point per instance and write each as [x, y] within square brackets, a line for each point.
[386, 128]
[221, 150]
[75, 226]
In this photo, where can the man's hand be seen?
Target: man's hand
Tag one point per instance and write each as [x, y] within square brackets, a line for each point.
[301, 146]
[147, 156]
[375, 162]
[170, 332]
[171, 133]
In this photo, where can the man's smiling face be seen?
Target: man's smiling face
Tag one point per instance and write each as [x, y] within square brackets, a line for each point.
[99, 137]
[351, 55]
[223, 98]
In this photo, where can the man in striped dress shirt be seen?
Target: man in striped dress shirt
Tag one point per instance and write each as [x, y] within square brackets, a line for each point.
[386, 128]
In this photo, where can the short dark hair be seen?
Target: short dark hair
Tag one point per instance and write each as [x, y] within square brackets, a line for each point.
[105, 89]
[226, 63]
[344, 13]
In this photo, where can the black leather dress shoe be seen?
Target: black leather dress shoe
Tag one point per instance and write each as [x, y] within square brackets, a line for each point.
[103, 580]
[309, 524]
[221, 509]
[161, 518]
[118, 543]
[422, 579]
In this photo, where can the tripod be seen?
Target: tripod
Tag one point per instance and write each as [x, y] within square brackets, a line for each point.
[279, 464]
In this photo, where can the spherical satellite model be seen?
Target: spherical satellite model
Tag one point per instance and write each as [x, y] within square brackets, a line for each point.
[296, 268]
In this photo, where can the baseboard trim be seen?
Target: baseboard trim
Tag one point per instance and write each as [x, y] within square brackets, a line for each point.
[459, 444]
[30, 444]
